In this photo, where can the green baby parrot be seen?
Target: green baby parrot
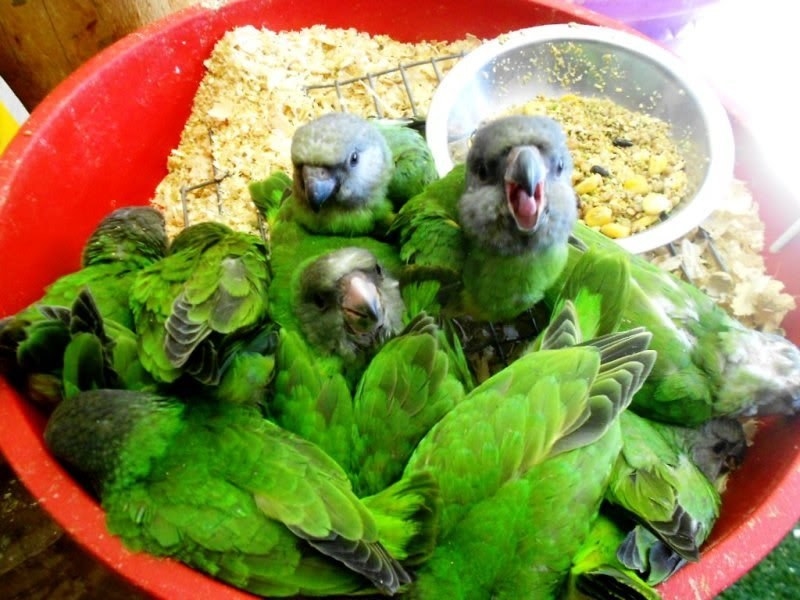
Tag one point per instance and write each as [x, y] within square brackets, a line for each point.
[32, 342]
[495, 231]
[667, 482]
[350, 361]
[657, 482]
[709, 364]
[508, 457]
[351, 378]
[344, 308]
[342, 168]
[212, 284]
[220, 488]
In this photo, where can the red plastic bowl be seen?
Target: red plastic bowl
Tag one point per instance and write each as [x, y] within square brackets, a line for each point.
[101, 140]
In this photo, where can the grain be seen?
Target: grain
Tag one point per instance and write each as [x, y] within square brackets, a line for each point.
[625, 161]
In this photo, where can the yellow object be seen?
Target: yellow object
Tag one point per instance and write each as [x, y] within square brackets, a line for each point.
[658, 164]
[597, 216]
[615, 230]
[636, 184]
[655, 204]
[643, 222]
[590, 184]
[12, 115]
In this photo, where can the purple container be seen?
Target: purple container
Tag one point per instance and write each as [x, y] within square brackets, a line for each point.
[659, 19]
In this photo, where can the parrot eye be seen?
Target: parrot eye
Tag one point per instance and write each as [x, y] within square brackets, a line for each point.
[482, 171]
[559, 167]
[378, 270]
[320, 300]
[719, 447]
[353, 159]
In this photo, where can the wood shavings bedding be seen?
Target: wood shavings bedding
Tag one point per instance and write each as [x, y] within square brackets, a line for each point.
[741, 285]
[254, 96]
[255, 93]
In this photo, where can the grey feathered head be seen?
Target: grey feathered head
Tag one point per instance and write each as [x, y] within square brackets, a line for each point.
[341, 161]
[519, 193]
[132, 233]
[347, 304]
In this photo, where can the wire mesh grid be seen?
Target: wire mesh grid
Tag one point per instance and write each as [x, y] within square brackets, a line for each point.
[369, 82]
[488, 344]
[404, 77]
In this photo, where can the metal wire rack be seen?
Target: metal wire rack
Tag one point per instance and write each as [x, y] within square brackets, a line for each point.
[495, 343]
[370, 81]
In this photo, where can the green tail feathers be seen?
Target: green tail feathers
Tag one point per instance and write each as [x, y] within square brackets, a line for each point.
[407, 515]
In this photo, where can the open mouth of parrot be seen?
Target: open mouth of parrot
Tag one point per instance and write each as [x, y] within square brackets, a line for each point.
[525, 207]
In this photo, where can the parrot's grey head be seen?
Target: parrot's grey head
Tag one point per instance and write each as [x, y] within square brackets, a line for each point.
[92, 432]
[130, 233]
[519, 194]
[718, 447]
[348, 305]
[341, 162]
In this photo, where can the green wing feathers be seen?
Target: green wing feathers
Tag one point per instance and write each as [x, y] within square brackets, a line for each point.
[430, 237]
[663, 488]
[311, 397]
[214, 282]
[414, 165]
[221, 488]
[406, 389]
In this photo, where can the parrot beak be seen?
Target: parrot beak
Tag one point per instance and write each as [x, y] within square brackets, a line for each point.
[524, 186]
[361, 305]
[320, 184]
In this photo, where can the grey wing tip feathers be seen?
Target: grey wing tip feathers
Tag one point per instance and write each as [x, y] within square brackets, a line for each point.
[643, 552]
[368, 559]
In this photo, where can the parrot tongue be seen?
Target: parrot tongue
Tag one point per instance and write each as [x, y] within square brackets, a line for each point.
[525, 207]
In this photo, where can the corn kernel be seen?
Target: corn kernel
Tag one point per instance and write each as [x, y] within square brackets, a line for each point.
[643, 222]
[658, 164]
[598, 216]
[655, 204]
[615, 230]
[636, 184]
[589, 185]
